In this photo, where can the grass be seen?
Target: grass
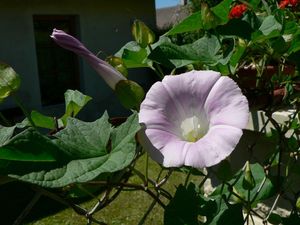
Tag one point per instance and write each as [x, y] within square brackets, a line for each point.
[129, 207]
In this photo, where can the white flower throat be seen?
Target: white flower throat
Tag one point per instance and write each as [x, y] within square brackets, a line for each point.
[193, 128]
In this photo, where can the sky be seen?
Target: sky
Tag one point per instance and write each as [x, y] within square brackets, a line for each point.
[166, 3]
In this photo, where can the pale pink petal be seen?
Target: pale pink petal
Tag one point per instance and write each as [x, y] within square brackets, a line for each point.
[193, 99]
[215, 146]
[226, 105]
[164, 108]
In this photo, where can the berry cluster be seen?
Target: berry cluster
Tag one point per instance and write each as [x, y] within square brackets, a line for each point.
[285, 3]
[237, 11]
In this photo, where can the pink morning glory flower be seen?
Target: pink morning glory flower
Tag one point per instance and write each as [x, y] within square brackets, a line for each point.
[193, 119]
[105, 70]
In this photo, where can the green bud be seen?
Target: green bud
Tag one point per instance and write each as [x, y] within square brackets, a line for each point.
[118, 64]
[209, 19]
[142, 34]
[298, 203]
[248, 181]
[9, 81]
[130, 94]
[236, 197]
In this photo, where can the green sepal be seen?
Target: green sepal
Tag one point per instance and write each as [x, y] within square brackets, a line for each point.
[118, 64]
[130, 94]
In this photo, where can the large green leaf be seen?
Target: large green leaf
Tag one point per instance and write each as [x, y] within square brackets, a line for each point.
[9, 81]
[85, 139]
[270, 25]
[31, 146]
[205, 50]
[5, 134]
[195, 21]
[79, 163]
[191, 23]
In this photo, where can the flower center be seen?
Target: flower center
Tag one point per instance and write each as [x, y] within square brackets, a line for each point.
[193, 128]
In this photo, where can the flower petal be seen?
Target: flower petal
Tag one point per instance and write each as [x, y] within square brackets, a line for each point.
[202, 95]
[174, 99]
[227, 105]
[215, 146]
[189, 90]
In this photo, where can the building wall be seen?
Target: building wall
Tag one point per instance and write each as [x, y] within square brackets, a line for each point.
[102, 26]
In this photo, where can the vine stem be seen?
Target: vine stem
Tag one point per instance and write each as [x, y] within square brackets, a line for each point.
[28, 208]
[24, 110]
[156, 66]
[142, 221]
[273, 206]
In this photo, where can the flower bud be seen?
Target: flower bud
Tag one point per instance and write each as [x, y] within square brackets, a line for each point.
[9, 81]
[248, 181]
[142, 34]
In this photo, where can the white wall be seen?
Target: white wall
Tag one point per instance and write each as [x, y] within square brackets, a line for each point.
[103, 25]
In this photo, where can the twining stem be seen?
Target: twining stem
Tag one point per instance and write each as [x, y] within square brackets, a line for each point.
[24, 110]
[146, 170]
[156, 66]
[142, 221]
[273, 206]
[28, 208]
[187, 178]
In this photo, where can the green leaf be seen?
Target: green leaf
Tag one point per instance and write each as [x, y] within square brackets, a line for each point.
[222, 10]
[43, 121]
[295, 45]
[269, 25]
[183, 208]
[266, 191]
[130, 94]
[87, 166]
[9, 81]
[229, 214]
[293, 219]
[209, 19]
[236, 27]
[85, 139]
[31, 146]
[74, 101]
[133, 55]
[274, 219]
[205, 51]
[254, 3]
[135, 59]
[5, 134]
[191, 23]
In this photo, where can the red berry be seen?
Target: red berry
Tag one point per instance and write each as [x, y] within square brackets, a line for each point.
[237, 11]
[294, 2]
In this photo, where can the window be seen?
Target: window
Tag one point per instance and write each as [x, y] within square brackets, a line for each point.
[58, 68]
